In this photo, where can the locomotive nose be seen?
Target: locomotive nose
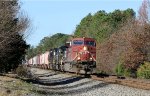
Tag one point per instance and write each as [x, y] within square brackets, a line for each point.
[84, 54]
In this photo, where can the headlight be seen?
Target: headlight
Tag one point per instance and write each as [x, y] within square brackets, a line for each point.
[85, 48]
[91, 58]
[78, 58]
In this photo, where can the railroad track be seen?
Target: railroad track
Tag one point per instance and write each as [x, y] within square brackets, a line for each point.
[135, 83]
[70, 84]
[126, 82]
[52, 83]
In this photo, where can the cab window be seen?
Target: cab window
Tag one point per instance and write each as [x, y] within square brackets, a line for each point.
[90, 43]
[77, 42]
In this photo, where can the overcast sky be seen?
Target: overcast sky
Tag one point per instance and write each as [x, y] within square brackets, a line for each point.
[49, 17]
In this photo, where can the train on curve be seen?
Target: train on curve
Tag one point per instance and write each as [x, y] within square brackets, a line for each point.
[78, 55]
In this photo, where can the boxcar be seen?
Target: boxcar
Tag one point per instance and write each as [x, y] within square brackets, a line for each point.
[46, 61]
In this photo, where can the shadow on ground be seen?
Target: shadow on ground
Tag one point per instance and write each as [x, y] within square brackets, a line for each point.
[57, 81]
[48, 92]
[65, 89]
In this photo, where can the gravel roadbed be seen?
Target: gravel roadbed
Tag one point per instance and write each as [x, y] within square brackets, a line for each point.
[67, 85]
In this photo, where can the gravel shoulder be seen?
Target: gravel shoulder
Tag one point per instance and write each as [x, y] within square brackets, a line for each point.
[58, 84]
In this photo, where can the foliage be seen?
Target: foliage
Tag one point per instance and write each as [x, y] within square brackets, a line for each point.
[130, 42]
[120, 69]
[23, 71]
[127, 73]
[30, 52]
[101, 25]
[13, 24]
[48, 43]
[138, 48]
[144, 70]
[83, 29]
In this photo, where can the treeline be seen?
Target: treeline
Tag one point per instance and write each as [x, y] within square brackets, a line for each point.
[101, 25]
[13, 24]
[48, 43]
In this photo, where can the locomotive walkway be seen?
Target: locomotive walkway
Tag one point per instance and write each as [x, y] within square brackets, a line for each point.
[52, 83]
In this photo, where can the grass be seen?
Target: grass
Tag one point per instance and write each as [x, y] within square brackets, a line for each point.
[15, 87]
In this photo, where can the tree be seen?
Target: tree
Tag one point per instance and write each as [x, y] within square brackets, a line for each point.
[83, 29]
[101, 25]
[128, 45]
[13, 24]
[48, 43]
[144, 12]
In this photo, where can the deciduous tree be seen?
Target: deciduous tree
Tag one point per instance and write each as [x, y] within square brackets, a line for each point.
[13, 24]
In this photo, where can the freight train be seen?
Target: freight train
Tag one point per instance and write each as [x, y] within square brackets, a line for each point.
[78, 55]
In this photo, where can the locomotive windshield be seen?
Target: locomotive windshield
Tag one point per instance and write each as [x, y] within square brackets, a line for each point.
[77, 42]
[90, 43]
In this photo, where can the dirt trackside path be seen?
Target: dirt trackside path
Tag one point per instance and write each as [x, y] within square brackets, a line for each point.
[14, 87]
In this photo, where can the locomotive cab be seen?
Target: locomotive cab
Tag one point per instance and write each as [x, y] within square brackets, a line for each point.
[82, 53]
[83, 50]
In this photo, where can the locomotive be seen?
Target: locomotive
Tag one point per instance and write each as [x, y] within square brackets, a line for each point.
[78, 55]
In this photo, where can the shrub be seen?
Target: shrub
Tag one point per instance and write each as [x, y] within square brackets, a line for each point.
[101, 72]
[144, 71]
[127, 73]
[120, 69]
[23, 71]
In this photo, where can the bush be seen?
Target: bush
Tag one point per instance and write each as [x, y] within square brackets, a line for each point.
[144, 71]
[127, 73]
[120, 69]
[23, 71]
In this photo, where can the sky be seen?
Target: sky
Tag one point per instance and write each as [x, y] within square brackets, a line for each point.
[48, 17]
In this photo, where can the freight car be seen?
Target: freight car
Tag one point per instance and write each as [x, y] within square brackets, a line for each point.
[78, 55]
